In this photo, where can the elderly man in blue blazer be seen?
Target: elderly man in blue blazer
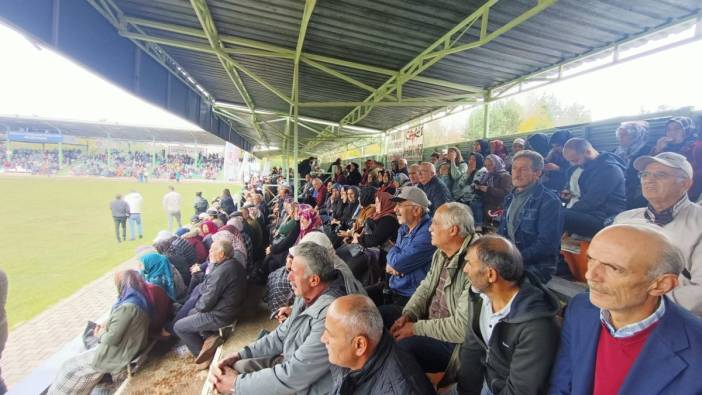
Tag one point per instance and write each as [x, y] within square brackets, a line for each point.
[625, 336]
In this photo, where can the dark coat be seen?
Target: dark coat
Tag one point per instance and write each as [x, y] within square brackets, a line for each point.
[223, 292]
[495, 195]
[538, 230]
[437, 193]
[377, 233]
[389, 371]
[602, 190]
[226, 203]
[282, 244]
[521, 350]
[354, 177]
[669, 363]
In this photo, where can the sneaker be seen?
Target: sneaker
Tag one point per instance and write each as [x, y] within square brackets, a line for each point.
[208, 348]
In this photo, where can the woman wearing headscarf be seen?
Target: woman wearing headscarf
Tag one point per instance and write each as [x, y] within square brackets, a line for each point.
[400, 180]
[278, 290]
[158, 271]
[232, 235]
[556, 167]
[367, 203]
[465, 189]
[226, 202]
[682, 138]
[124, 335]
[457, 166]
[338, 176]
[538, 142]
[354, 177]
[481, 147]
[633, 143]
[238, 223]
[335, 204]
[350, 209]
[386, 182]
[380, 230]
[286, 236]
[498, 148]
[494, 185]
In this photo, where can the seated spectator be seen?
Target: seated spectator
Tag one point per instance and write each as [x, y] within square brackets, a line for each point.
[444, 175]
[226, 202]
[532, 217]
[400, 180]
[253, 228]
[433, 323]
[366, 172]
[633, 143]
[494, 185]
[278, 286]
[364, 358]
[666, 178]
[178, 246]
[602, 194]
[413, 174]
[538, 142]
[386, 182]
[234, 237]
[285, 237]
[625, 336]
[338, 176]
[409, 259]
[380, 230]
[222, 295]
[497, 147]
[435, 160]
[464, 190]
[457, 168]
[680, 137]
[556, 167]
[513, 319]
[354, 177]
[518, 144]
[334, 205]
[402, 167]
[367, 203]
[291, 359]
[350, 209]
[124, 335]
[263, 208]
[436, 191]
[164, 247]
[196, 239]
[238, 223]
[481, 147]
[319, 195]
[159, 271]
[162, 310]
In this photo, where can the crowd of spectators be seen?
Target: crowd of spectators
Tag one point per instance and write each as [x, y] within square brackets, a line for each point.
[435, 276]
[136, 164]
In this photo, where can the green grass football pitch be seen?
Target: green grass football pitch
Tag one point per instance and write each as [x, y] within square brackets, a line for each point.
[58, 233]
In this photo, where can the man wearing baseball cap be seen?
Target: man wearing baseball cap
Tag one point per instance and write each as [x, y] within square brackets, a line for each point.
[409, 259]
[665, 181]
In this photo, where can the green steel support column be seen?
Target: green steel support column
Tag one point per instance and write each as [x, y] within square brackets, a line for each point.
[486, 114]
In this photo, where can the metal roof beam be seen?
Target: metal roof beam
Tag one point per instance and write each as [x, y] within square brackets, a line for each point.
[205, 17]
[339, 75]
[295, 105]
[267, 50]
[404, 103]
[444, 46]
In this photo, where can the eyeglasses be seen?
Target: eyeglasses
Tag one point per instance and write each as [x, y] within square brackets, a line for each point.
[657, 175]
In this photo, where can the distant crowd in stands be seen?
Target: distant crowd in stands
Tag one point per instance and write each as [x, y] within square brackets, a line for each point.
[136, 164]
[434, 276]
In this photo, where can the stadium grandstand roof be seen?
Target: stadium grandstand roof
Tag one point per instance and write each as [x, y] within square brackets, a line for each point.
[337, 71]
[106, 130]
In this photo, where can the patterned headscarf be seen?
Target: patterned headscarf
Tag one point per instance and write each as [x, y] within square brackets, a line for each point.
[312, 216]
[638, 134]
[157, 271]
[498, 148]
[490, 178]
[232, 235]
[132, 290]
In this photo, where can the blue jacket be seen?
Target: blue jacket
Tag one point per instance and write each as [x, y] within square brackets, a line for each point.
[602, 187]
[437, 193]
[669, 363]
[538, 230]
[411, 255]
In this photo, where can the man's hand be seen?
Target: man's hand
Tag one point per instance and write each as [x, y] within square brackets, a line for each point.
[194, 268]
[283, 314]
[483, 188]
[551, 167]
[400, 322]
[229, 361]
[99, 330]
[223, 380]
[268, 250]
[401, 332]
[389, 270]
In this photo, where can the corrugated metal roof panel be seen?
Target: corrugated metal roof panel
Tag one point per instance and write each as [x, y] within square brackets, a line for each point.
[390, 33]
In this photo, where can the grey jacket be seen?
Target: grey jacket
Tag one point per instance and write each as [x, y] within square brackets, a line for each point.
[305, 366]
[119, 208]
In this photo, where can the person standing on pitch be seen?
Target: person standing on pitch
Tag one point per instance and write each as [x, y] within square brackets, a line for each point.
[120, 213]
[171, 204]
[134, 200]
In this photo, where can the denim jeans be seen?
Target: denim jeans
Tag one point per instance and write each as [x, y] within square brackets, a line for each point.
[135, 219]
[476, 206]
[120, 221]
